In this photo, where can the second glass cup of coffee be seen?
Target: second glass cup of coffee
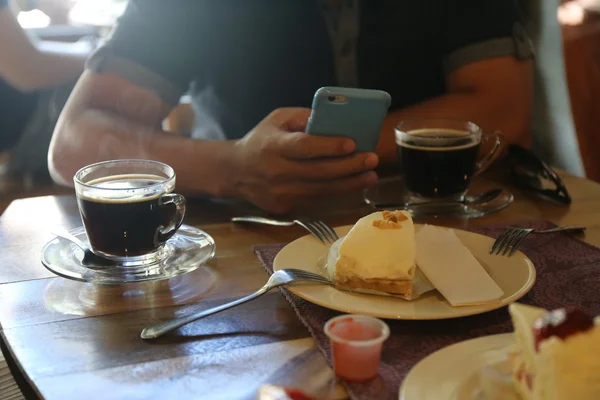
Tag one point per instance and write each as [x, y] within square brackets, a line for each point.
[128, 209]
[439, 157]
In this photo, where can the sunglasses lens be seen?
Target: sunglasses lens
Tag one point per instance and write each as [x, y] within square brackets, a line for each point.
[529, 173]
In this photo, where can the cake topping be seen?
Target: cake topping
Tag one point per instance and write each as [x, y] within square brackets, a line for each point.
[561, 323]
[391, 220]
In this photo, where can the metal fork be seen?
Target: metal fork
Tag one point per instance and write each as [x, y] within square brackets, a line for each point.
[325, 233]
[511, 238]
[279, 278]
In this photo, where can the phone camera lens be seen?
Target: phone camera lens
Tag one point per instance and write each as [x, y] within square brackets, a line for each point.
[331, 98]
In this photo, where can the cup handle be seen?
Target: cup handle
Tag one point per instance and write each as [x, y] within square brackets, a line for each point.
[164, 233]
[496, 150]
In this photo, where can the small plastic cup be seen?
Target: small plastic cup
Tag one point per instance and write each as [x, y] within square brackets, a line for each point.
[356, 342]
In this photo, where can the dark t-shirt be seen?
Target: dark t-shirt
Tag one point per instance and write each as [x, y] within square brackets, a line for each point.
[242, 59]
[16, 108]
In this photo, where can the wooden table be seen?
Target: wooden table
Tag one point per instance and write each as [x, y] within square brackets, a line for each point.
[67, 339]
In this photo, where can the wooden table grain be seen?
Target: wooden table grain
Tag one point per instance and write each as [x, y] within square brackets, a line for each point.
[65, 339]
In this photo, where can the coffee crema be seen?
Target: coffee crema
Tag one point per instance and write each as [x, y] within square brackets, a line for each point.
[438, 163]
[121, 221]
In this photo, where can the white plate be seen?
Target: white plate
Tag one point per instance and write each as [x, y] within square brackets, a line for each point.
[437, 378]
[515, 275]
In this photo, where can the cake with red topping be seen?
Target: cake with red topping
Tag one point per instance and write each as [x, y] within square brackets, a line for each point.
[557, 354]
[271, 392]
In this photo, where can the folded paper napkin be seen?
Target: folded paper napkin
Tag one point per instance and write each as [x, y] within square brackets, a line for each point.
[463, 282]
[567, 274]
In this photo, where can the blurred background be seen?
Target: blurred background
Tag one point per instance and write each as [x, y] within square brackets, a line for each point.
[566, 35]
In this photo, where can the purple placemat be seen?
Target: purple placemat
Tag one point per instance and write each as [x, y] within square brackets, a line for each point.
[568, 273]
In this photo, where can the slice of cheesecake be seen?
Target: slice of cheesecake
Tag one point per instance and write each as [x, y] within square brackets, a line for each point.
[522, 355]
[377, 254]
[557, 355]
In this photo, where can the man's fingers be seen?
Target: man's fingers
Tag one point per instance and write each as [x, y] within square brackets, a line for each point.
[286, 196]
[328, 168]
[292, 142]
[292, 119]
[301, 146]
[348, 184]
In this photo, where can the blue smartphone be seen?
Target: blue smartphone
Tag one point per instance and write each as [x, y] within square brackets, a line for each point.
[354, 113]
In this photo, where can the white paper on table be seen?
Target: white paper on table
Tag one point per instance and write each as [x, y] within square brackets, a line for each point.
[449, 265]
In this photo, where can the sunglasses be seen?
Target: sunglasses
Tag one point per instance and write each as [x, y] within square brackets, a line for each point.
[530, 174]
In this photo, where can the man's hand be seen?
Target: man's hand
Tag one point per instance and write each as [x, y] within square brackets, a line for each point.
[278, 167]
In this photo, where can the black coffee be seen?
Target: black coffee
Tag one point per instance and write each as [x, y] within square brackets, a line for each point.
[124, 227]
[441, 171]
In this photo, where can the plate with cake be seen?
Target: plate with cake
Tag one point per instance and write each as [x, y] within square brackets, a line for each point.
[551, 355]
[388, 267]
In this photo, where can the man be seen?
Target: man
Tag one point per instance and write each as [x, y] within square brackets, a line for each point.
[252, 68]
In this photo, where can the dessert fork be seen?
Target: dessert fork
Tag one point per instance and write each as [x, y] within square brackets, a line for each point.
[325, 233]
[511, 238]
[279, 278]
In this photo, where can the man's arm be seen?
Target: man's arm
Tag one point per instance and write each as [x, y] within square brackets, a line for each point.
[495, 93]
[108, 117]
[275, 166]
[28, 66]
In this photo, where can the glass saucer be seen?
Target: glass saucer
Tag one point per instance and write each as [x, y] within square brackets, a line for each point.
[188, 249]
[393, 191]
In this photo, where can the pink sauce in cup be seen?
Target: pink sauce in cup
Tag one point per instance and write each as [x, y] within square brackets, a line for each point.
[356, 342]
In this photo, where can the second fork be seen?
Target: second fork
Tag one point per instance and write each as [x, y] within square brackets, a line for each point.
[325, 233]
[511, 238]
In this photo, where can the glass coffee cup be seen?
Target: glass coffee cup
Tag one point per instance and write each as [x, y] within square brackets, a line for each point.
[128, 209]
[439, 157]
